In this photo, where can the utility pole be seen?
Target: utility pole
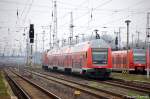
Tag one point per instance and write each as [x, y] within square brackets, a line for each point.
[12, 52]
[4, 52]
[36, 35]
[53, 40]
[50, 43]
[76, 38]
[54, 17]
[24, 40]
[132, 40]
[138, 41]
[20, 48]
[71, 29]
[43, 39]
[63, 42]
[127, 22]
[83, 37]
[148, 41]
[5, 49]
[27, 49]
[119, 38]
[58, 43]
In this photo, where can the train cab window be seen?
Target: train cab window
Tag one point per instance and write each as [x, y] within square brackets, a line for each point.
[139, 56]
[99, 56]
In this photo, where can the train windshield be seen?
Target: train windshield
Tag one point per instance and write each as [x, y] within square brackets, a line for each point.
[99, 56]
[139, 56]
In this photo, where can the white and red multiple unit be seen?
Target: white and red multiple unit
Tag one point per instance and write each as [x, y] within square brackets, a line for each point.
[137, 60]
[92, 58]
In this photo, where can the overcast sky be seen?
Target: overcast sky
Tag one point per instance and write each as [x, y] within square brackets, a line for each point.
[105, 13]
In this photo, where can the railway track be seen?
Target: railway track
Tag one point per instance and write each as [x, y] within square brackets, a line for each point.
[144, 85]
[141, 85]
[129, 85]
[100, 93]
[26, 89]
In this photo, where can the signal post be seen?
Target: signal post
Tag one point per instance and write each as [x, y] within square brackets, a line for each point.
[31, 37]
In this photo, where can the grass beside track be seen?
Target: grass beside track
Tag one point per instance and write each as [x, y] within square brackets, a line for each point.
[130, 77]
[3, 89]
[130, 93]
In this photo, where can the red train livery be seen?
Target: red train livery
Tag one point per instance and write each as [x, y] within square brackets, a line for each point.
[137, 60]
[90, 58]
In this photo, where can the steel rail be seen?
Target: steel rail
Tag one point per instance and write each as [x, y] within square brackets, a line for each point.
[82, 87]
[50, 94]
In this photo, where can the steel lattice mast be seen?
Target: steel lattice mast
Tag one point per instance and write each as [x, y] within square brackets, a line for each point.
[54, 19]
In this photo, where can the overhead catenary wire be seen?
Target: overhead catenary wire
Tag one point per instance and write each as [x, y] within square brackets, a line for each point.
[104, 9]
[112, 21]
[25, 7]
[108, 1]
[87, 12]
[28, 10]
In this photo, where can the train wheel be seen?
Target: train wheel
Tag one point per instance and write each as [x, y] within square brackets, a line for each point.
[136, 71]
[55, 68]
[68, 70]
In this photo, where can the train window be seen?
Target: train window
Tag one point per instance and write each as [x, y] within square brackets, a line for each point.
[139, 56]
[99, 56]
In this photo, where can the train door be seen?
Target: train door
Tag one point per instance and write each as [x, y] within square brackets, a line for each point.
[121, 57]
[124, 61]
[114, 61]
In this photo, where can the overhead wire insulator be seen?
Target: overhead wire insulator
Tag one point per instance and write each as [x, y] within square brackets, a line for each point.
[91, 13]
[17, 13]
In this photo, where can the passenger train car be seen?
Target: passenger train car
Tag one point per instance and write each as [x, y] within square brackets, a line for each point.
[137, 60]
[90, 58]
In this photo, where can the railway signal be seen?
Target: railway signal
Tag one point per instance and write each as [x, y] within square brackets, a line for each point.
[31, 37]
[31, 33]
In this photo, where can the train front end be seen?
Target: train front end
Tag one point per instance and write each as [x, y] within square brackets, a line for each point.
[139, 60]
[99, 61]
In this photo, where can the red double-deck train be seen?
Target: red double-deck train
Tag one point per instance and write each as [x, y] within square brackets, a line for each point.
[90, 58]
[138, 59]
